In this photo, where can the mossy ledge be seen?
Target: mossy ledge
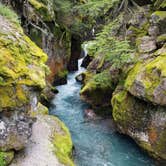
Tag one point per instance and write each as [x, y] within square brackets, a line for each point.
[63, 144]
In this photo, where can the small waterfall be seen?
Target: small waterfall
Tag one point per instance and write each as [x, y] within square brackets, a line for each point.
[96, 143]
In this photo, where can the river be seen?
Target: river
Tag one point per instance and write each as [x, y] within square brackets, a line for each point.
[96, 142]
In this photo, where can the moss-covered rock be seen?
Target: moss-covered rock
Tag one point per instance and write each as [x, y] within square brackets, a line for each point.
[6, 158]
[147, 80]
[42, 8]
[98, 90]
[22, 66]
[159, 18]
[63, 144]
[50, 143]
[22, 77]
[140, 120]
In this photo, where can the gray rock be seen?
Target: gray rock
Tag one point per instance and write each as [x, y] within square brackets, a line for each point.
[15, 130]
[153, 31]
[146, 44]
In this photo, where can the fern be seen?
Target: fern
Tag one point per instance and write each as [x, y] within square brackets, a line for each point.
[117, 52]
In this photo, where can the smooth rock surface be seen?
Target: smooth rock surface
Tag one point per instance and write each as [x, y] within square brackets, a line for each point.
[39, 150]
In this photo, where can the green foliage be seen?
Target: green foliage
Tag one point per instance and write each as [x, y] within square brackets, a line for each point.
[44, 8]
[9, 14]
[2, 161]
[88, 13]
[116, 51]
[95, 8]
[159, 3]
[6, 157]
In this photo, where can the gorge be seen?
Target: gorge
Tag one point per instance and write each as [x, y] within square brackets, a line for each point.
[82, 82]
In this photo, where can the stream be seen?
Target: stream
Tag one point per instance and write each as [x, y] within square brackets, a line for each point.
[96, 142]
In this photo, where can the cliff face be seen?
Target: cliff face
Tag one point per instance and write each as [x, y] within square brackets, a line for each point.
[131, 50]
[22, 79]
[38, 19]
[22, 76]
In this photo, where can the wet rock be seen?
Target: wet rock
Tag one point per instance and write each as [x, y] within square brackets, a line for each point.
[86, 61]
[60, 80]
[98, 89]
[90, 114]
[48, 94]
[80, 77]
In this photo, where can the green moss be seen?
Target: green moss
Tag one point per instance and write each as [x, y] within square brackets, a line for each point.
[43, 9]
[98, 89]
[160, 14]
[63, 144]
[22, 65]
[41, 110]
[161, 38]
[9, 14]
[139, 32]
[62, 74]
[148, 76]
[6, 157]
[146, 146]
[120, 104]
[132, 75]
[87, 76]
[36, 4]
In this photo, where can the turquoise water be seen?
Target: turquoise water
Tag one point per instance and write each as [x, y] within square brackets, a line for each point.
[96, 142]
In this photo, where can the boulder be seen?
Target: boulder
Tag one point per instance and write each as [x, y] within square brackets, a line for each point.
[86, 61]
[158, 18]
[80, 77]
[147, 80]
[15, 130]
[90, 114]
[142, 121]
[98, 89]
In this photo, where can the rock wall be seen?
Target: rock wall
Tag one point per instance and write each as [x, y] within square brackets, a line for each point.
[131, 50]
[23, 74]
[38, 19]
